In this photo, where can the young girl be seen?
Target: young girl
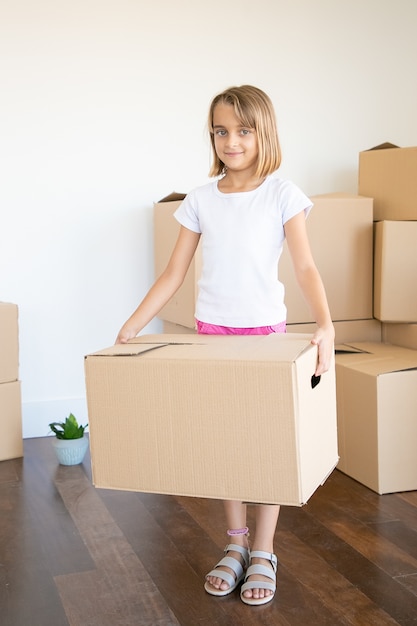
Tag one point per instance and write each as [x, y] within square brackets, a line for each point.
[243, 217]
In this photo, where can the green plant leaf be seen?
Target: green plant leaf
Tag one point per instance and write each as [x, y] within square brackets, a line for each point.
[70, 429]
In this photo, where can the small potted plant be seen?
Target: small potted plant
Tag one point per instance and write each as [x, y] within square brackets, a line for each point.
[70, 442]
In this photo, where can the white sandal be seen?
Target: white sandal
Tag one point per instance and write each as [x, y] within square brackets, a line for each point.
[233, 564]
[260, 584]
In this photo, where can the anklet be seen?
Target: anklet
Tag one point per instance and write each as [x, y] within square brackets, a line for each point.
[234, 532]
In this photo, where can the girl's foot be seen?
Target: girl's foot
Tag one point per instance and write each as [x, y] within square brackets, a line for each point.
[228, 572]
[259, 586]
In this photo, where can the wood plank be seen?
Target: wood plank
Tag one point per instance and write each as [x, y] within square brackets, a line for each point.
[121, 587]
[378, 586]
[379, 543]
[345, 602]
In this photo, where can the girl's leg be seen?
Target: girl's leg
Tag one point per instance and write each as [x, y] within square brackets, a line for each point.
[266, 523]
[235, 519]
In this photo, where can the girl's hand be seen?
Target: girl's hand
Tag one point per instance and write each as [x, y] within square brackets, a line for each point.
[323, 338]
[125, 334]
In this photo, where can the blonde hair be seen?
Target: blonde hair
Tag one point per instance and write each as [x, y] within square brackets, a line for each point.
[255, 110]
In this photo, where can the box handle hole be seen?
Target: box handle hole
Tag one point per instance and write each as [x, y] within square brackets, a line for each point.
[315, 381]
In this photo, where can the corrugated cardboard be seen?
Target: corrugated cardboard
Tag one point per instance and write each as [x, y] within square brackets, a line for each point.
[226, 417]
[404, 335]
[376, 410]
[9, 342]
[388, 174]
[395, 271]
[340, 232]
[11, 443]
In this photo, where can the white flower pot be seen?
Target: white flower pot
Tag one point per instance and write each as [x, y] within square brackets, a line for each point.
[70, 451]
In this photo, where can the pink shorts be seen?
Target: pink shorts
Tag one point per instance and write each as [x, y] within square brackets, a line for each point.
[213, 329]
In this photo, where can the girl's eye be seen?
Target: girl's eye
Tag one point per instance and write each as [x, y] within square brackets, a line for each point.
[245, 131]
[221, 132]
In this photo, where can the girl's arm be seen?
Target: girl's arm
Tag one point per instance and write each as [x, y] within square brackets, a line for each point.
[165, 286]
[312, 287]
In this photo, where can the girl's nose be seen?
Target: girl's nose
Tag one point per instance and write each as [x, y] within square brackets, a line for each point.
[232, 139]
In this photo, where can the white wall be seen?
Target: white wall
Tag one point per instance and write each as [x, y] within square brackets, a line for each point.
[102, 112]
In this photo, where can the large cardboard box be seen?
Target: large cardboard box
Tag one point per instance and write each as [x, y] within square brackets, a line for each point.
[395, 271]
[388, 174]
[9, 342]
[404, 335]
[340, 232]
[226, 417]
[11, 443]
[376, 410]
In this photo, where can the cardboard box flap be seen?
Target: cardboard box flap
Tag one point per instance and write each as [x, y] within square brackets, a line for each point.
[259, 348]
[345, 348]
[173, 197]
[383, 146]
[129, 349]
[377, 358]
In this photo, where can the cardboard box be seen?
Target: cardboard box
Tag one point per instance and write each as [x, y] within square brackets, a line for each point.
[388, 174]
[228, 417]
[395, 271]
[340, 232]
[171, 328]
[9, 342]
[376, 411]
[180, 309]
[353, 330]
[11, 442]
[404, 335]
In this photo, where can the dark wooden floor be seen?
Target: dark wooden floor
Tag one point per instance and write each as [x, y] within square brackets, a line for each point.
[72, 554]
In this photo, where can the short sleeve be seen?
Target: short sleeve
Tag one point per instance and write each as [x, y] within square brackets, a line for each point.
[293, 201]
[187, 214]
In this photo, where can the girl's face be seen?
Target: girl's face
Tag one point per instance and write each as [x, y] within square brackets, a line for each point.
[236, 145]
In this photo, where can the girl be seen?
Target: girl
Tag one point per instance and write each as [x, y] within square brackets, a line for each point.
[244, 216]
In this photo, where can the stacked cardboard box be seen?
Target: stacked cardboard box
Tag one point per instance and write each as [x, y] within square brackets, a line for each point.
[347, 277]
[389, 175]
[376, 414]
[11, 444]
[377, 401]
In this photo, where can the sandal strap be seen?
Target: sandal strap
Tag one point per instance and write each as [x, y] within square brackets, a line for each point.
[232, 563]
[243, 551]
[258, 584]
[228, 578]
[262, 570]
[268, 556]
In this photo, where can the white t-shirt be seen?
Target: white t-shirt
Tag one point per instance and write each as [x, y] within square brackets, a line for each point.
[242, 240]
